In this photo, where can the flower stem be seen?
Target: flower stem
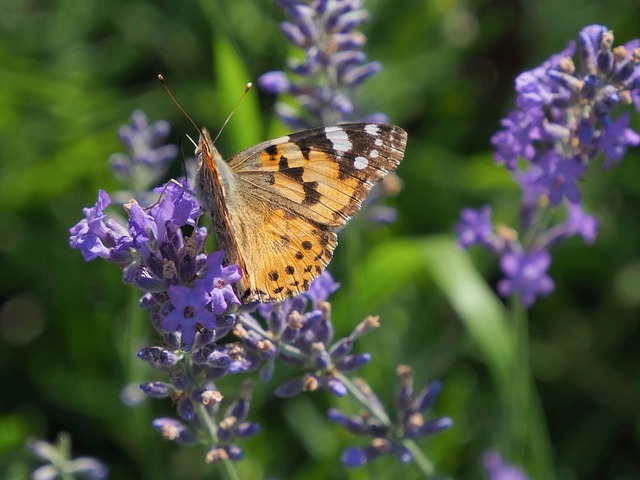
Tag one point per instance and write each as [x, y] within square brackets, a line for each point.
[520, 379]
[528, 436]
[228, 468]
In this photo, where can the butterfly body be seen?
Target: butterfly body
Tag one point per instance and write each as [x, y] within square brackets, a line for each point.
[275, 206]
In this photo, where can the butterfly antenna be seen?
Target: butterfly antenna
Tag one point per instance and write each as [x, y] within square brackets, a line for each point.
[247, 87]
[161, 78]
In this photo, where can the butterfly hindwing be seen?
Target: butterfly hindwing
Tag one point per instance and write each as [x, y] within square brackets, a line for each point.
[285, 253]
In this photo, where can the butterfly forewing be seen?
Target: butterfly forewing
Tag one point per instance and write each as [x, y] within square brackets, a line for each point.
[286, 197]
[324, 173]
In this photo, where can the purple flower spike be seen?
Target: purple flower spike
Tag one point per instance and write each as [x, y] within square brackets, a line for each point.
[388, 439]
[526, 275]
[565, 118]
[148, 158]
[325, 32]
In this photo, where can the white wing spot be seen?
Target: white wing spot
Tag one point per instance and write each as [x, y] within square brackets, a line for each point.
[374, 153]
[372, 130]
[338, 138]
[378, 143]
[360, 162]
[280, 140]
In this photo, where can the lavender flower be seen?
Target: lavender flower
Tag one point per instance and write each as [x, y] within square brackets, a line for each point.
[60, 464]
[332, 67]
[565, 119]
[148, 159]
[388, 439]
[300, 333]
[526, 275]
[498, 469]
[185, 290]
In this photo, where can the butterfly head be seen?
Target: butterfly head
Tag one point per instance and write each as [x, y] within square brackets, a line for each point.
[208, 181]
[206, 151]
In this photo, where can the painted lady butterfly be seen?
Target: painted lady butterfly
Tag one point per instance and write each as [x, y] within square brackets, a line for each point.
[275, 206]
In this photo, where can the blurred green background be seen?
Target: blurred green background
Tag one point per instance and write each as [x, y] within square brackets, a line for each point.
[72, 72]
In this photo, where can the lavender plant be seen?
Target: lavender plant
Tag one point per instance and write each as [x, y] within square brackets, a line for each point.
[206, 333]
[566, 117]
[333, 66]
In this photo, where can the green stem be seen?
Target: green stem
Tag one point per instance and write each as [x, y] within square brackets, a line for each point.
[228, 470]
[528, 436]
[362, 399]
[521, 379]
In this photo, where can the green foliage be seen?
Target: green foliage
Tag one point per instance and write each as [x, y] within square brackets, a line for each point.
[72, 72]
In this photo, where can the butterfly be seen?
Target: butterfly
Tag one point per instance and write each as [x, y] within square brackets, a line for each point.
[275, 207]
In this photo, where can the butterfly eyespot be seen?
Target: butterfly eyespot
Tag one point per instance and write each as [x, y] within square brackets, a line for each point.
[299, 255]
[307, 245]
[290, 270]
[273, 276]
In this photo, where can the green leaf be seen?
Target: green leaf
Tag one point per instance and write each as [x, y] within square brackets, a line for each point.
[478, 307]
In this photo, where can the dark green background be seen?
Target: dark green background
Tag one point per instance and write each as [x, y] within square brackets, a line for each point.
[71, 72]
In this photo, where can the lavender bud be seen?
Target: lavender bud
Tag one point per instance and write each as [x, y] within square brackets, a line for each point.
[349, 20]
[157, 389]
[186, 409]
[274, 82]
[624, 70]
[358, 75]
[157, 357]
[353, 362]
[605, 62]
[175, 430]
[294, 34]
[335, 387]
[427, 397]
[435, 426]
[294, 386]
[248, 429]
[235, 453]
[354, 457]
